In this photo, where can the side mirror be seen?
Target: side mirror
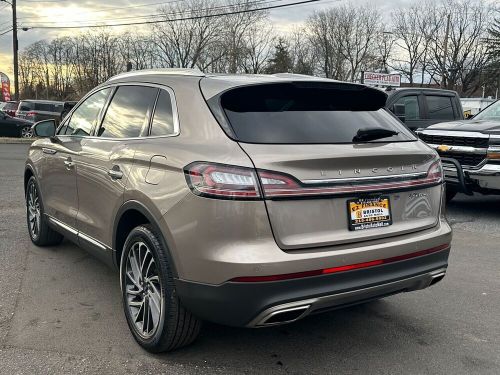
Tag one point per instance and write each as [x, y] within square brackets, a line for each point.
[45, 128]
[400, 111]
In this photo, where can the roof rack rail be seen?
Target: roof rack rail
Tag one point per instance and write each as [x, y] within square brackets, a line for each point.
[164, 71]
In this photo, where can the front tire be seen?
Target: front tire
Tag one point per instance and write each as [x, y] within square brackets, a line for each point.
[154, 313]
[26, 132]
[40, 232]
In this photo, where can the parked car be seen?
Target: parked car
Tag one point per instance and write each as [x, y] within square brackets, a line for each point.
[2, 104]
[37, 110]
[246, 200]
[470, 151]
[14, 127]
[422, 107]
[10, 108]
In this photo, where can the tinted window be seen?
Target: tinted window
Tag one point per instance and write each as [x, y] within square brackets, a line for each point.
[163, 120]
[440, 107]
[128, 114]
[44, 107]
[304, 113]
[10, 106]
[412, 110]
[85, 117]
[26, 106]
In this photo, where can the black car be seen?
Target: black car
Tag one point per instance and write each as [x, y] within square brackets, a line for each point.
[421, 107]
[14, 127]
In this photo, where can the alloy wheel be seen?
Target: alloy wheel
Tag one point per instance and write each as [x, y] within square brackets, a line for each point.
[143, 289]
[26, 132]
[34, 213]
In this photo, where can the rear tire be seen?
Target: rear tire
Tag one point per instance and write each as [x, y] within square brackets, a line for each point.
[154, 313]
[40, 232]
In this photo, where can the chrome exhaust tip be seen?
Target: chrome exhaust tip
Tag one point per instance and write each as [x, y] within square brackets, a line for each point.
[283, 316]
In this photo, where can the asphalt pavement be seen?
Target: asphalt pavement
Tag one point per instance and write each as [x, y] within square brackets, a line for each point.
[60, 312]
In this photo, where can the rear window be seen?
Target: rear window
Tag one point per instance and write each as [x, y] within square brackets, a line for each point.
[301, 113]
[26, 106]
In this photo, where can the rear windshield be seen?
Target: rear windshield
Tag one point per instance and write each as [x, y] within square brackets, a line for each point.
[292, 113]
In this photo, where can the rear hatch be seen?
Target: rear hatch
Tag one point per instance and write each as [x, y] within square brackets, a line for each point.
[335, 167]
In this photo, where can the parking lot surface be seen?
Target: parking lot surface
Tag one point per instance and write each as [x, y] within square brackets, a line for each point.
[60, 312]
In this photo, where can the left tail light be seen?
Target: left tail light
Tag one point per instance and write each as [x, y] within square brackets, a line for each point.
[222, 181]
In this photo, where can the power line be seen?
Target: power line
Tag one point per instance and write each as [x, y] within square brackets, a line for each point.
[177, 19]
[174, 13]
[5, 32]
[107, 9]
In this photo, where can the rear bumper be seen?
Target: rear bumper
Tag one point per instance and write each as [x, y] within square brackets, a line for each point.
[485, 179]
[277, 302]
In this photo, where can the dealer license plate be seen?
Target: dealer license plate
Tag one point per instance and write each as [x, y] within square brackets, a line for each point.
[367, 213]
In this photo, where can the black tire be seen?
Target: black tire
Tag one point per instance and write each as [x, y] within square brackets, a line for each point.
[450, 194]
[176, 326]
[44, 235]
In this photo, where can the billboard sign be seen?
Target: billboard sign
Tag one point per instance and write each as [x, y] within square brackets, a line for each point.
[5, 96]
[381, 79]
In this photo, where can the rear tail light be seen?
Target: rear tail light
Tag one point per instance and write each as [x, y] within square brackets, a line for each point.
[222, 181]
[30, 114]
[232, 182]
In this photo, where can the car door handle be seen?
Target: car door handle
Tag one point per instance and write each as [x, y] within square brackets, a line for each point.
[49, 151]
[115, 173]
[69, 163]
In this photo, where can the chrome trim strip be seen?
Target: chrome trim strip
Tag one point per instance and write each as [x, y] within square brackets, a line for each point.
[493, 149]
[91, 240]
[49, 151]
[460, 149]
[62, 225]
[453, 133]
[367, 178]
[74, 231]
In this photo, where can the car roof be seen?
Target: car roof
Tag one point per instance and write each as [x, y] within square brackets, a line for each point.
[42, 101]
[212, 84]
[422, 89]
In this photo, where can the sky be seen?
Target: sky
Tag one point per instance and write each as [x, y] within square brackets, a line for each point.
[64, 12]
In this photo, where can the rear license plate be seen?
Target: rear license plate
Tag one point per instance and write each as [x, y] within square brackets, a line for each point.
[366, 213]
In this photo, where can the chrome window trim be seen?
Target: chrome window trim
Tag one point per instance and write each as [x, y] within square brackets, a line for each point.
[403, 176]
[453, 133]
[173, 100]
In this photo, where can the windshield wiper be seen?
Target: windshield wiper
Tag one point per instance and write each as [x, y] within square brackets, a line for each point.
[371, 134]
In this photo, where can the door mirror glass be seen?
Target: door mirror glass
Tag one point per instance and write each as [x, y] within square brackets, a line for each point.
[400, 111]
[45, 128]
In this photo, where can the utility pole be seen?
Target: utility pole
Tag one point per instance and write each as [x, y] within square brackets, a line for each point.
[445, 57]
[15, 47]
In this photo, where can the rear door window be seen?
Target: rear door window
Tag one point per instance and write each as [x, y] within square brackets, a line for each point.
[293, 113]
[26, 106]
[44, 107]
[129, 112]
[439, 107]
[163, 119]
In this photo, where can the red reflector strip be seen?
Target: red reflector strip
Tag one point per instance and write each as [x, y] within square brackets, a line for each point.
[350, 267]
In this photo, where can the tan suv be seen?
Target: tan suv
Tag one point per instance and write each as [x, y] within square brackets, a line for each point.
[243, 200]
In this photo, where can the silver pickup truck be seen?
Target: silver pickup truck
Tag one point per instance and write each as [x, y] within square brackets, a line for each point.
[470, 151]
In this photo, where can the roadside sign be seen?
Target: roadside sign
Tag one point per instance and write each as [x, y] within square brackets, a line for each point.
[381, 79]
[5, 94]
